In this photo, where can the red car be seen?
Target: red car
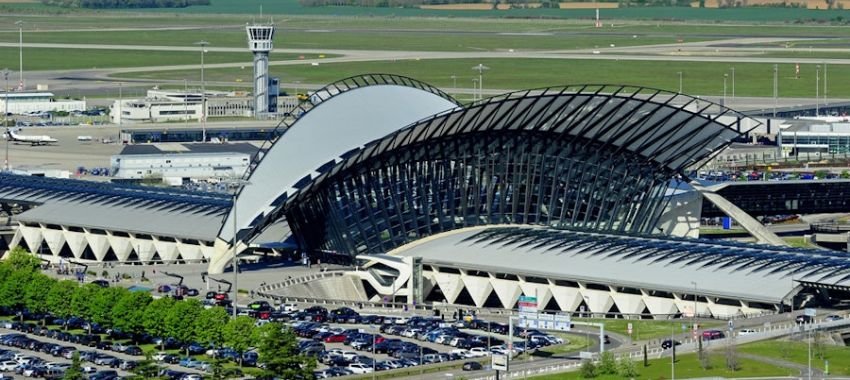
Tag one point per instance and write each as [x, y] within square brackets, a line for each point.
[336, 338]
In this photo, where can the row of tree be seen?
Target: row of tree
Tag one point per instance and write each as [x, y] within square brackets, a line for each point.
[23, 285]
[112, 4]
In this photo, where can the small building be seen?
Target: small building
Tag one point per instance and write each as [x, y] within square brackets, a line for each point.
[20, 103]
[176, 164]
[163, 106]
[832, 138]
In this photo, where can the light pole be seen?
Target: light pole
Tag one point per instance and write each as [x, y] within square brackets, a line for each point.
[733, 82]
[20, 25]
[6, 117]
[235, 263]
[481, 68]
[120, 102]
[724, 88]
[186, 100]
[680, 81]
[454, 81]
[474, 89]
[695, 305]
[775, 88]
[817, 90]
[203, 45]
[825, 101]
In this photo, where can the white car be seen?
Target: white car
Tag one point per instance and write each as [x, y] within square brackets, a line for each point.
[477, 352]
[9, 365]
[159, 356]
[119, 347]
[746, 332]
[288, 307]
[191, 376]
[349, 355]
[359, 368]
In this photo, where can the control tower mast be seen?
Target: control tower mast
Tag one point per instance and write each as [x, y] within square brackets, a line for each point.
[260, 42]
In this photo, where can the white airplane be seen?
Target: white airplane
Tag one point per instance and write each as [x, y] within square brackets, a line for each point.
[32, 140]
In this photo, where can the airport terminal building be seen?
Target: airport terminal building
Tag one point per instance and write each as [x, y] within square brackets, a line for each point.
[576, 194]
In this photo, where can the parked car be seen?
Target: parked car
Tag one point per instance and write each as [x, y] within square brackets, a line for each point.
[472, 366]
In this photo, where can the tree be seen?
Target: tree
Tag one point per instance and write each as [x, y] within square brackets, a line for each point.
[209, 325]
[238, 334]
[146, 368]
[154, 316]
[278, 349]
[588, 369]
[128, 314]
[81, 300]
[180, 320]
[75, 371]
[100, 306]
[19, 259]
[35, 296]
[59, 298]
[13, 289]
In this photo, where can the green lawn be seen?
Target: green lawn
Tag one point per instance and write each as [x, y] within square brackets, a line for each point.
[574, 343]
[292, 7]
[699, 78]
[332, 38]
[799, 242]
[643, 329]
[797, 352]
[65, 59]
[688, 366]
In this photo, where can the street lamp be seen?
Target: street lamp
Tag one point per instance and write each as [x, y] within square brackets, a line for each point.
[825, 101]
[6, 117]
[725, 76]
[120, 102]
[203, 45]
[733, 82]
[186, 102]
[775, 88]
[240, 183]
[680, 81]
[474, 89]
[481, 68]
[817, 90]
[20, 25]
[695, 304]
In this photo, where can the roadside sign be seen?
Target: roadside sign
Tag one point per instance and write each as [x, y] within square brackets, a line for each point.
[630, 328]
[500, 362]
[528, 304]
[731, 325]
[810, 312]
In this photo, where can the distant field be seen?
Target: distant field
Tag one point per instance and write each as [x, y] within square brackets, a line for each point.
[798, 352]
[698, 78]
[65, 59]
[291, 7]
[416, 41]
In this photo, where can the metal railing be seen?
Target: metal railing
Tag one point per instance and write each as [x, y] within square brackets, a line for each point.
[832, 228]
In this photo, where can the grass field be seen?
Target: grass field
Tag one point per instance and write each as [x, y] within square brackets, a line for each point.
[698, 78]
[643, 329]
[798, 352]
[688, 366]
[427, 41]
[291, 7]
[65, 59]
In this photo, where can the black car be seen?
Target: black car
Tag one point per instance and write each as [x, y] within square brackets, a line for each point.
[472, 366]
[802, 318]
[134, 351]
[667, 343]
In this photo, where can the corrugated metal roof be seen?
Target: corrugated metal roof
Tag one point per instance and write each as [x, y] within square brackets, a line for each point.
[720, 268]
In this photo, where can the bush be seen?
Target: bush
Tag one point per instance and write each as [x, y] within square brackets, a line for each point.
[627, 368]
[607, 364]
[588, 369]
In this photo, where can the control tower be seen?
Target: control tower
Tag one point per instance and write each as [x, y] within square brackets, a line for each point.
[260, 42]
